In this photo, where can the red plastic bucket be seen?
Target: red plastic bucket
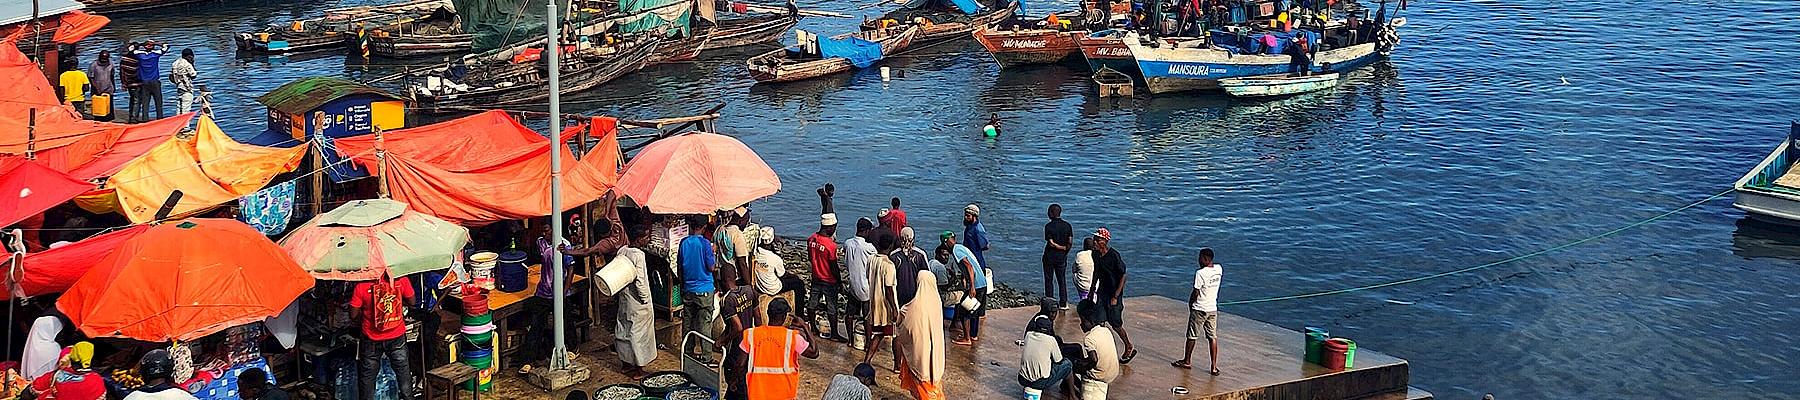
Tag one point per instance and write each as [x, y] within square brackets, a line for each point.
[1335, 350]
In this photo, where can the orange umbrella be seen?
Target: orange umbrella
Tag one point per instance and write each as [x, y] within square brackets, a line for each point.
[184, 280]
[696, 173]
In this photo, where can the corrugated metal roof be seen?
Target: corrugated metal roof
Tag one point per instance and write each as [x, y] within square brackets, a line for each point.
[16, 11]
[306, 94]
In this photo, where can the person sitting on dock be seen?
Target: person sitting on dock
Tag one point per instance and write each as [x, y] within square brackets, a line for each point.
[772, 277]
[1203, 318]
[1041, 364]
[1101, 359]
[846, 387]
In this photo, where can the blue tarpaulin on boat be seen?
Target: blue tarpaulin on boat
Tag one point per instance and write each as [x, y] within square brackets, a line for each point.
[967, 6]
[1252, 43]
[861, 53]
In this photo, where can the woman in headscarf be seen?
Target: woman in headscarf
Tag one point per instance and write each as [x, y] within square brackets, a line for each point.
[74, 378]
[921, 339]
[41, 349]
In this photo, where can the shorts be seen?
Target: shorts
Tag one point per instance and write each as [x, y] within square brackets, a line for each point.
[855, 309]
[1115, 315]
[1203, 322]
[887, 330]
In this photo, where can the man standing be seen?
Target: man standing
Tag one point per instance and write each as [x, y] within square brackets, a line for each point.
[1109, 288]
[974, 235]
[381, 306]
[908, 261]
[1084, 270]
[895, 219]
[774, 350]
[128, 75]
[100, 76]
[149, 71]
[634, 333]
[858, 250]
[74, 86]
[157, 366]
[698, 264]
[821, 251]
[1058, 235]
[182, 74]
[734, 251]
[1203, 318]
[883, 310]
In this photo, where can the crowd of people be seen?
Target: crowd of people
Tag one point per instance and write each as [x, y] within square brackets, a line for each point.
[139, 71]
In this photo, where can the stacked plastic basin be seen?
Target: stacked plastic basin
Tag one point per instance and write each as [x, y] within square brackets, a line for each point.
[1332, 353]
[477, 347]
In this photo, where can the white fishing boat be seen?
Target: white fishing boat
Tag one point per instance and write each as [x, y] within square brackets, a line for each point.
[1277, 85]
[1771, 191]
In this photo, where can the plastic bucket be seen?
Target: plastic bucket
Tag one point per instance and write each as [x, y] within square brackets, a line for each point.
[479, 341]
[1335, 350]
[476, 330]
[481, 268]
[616, 275]
[1314, 338]
[1033, 394]
[484, 380]
[1349, 353]
[510, 273]
[478, 320]
[475, 304]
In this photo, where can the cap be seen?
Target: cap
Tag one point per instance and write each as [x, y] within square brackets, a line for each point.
[972, 210]
[883, 213]
[906, 234]
[946, 235]
[1103, 233]
[829, 219]
[863, 224]
[768, 235]
[741, 210]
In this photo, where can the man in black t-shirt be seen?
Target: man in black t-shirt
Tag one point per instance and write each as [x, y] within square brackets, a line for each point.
[1109, 288]
[1057, 237]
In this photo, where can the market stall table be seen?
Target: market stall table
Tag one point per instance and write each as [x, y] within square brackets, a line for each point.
[504, 305]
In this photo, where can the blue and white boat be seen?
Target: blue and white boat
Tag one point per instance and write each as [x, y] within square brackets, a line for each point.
[1182, 64]
[1771, 191]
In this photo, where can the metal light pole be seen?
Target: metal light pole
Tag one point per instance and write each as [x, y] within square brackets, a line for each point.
[559, 358]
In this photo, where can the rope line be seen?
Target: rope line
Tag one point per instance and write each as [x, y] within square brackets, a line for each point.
[1509, 260]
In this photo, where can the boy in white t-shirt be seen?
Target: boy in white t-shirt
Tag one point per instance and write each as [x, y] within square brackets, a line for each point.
[1203, 314]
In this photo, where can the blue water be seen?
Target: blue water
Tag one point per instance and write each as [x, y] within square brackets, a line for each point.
[1466, 147]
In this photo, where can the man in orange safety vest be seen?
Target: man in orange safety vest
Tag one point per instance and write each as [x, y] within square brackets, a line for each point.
[773, 349]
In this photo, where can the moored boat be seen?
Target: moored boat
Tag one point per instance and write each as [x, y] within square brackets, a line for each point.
[939, 24]
[745, 31]
[438, 33]
[1277, 85]
[461, 86]
[1771, 191]
[1181, 64]
[338, 28]
[1106, 50]
[797, 62]
[1044, 44]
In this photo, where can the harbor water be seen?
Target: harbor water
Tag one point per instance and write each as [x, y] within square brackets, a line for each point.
[1497, 129]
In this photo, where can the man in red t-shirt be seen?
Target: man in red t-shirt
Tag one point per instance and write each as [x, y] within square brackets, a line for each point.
[822, 252]
[381, 305]
[895, 219]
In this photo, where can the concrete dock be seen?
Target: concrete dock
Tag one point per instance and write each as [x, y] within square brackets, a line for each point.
[1258, 360]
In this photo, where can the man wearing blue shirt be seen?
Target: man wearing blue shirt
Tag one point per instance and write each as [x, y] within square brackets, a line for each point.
[698, 264]
[965, 260]
[975, 236]
[149, 70]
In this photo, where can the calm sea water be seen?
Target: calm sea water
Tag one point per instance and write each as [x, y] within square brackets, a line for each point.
[1467, 147]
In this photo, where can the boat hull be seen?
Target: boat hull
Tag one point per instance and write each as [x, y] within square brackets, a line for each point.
[1028, 47]
[581, 77]
[1107, 52]
[1265, 86]
[756, 32]
[937, 33]
[274, 45]
[766, 67]
[1167, 70]
[420, 45]
[1757, 194]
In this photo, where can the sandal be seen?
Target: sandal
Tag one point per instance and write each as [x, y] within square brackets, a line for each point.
[1215, 371]
[1182, 364]
[1129, 354]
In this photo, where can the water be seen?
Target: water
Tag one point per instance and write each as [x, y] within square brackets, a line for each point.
[1465, 148]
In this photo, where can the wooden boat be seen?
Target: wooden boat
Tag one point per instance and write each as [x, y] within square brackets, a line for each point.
[1771, 191]
[1106, 50]
[1114, 83]
[1037, 45]
[438, 33]
[522, 83]
[745, 31]
[680, 49]
[337, 28]
[955, 26]
[1277, 85]
[788, 64]
[121, 6]
[1179, 64]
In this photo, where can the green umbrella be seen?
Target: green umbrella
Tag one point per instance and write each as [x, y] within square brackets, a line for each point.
[366, 239]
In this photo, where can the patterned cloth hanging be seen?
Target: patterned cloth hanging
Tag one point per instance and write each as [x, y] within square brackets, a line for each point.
[268, 210]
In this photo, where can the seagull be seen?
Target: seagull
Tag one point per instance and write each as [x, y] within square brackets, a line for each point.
[1565, 79]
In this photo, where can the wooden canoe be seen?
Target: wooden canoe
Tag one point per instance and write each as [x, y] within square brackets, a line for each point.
[735, 32]
[931, 33]
[783, 65]
[1277, 85]
[439, 33]
[518, 84]
[1766, 192]
[1039, 45]
[336, 29]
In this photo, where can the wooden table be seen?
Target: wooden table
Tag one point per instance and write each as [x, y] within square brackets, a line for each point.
[504, 305]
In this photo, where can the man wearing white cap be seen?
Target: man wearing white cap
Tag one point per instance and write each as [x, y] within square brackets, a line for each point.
[822, 253]
[772, 278]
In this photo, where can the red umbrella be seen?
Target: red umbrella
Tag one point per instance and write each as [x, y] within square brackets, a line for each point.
[696, 173]
[184, 280]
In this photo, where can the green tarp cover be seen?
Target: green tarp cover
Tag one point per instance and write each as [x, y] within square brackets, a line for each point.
[496, 23]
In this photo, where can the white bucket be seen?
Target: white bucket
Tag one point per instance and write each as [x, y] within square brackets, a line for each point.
[1033, 394]
[616, 275]
[886, 74]
[481, 268]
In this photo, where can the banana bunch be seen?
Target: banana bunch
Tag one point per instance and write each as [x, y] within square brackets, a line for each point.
[127, 378]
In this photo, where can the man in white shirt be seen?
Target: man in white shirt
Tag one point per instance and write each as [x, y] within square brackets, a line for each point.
[857, 252]
[1203, 314]
[1100, 351]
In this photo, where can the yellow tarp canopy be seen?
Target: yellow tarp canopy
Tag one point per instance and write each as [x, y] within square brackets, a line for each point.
[209, 169]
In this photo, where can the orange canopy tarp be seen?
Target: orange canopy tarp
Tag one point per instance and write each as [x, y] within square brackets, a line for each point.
[183, 280]
[487, 167]
[31, 117]
[27, 188]
[697, 173]
[77, 25]
[209, 169]
[53, 270]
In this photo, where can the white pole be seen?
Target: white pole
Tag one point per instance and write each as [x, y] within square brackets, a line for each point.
[558, 354]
